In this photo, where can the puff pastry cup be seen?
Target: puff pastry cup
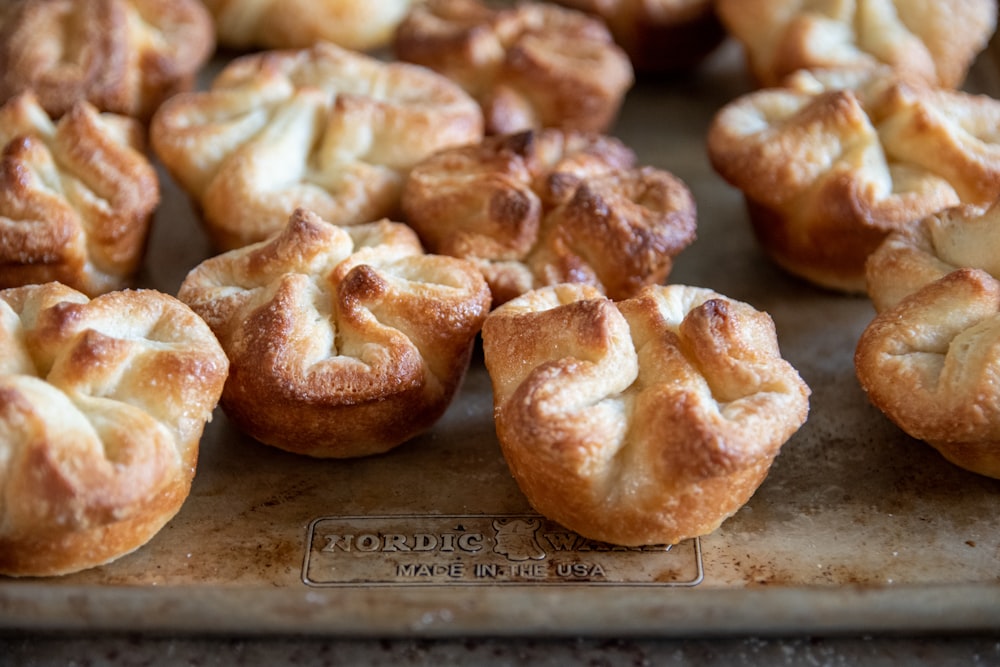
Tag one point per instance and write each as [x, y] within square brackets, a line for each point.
[324, 128]
[645, 421]
[76, 197]
[931, 41]
[909, 259]
[930, 358]
[343, 340]
[102, 406]
[360, 25]
[531, 65]
[833, 161]
[537, 208]
[930, 364]
[123, 56]
[659, 35]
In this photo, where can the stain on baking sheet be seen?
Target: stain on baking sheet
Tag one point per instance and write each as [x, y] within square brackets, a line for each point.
[464, 550]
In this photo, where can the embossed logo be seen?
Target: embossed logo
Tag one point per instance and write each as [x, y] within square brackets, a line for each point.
[411, 550]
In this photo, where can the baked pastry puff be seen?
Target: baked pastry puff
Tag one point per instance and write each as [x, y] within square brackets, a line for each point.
[537, 208]
[646, 421]
[343, 341]
[930, 364]
[833, 161]
[102, 406]
[360, 25]
[930, 358]
[122, 56]
[324, 128]
[659, 35]
[931, 41]
[77, 197]
[530, 65]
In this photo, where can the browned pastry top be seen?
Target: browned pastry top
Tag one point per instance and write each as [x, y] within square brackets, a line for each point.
[543, 207]
[931, 362]
[324, 128]
[833, 161]
[532, 65]
[964, 236]
[291, 24]
[931, 41]
[102, 405]
[646, 421]
[659, 35]
[343, 341]
[124, 56]
[76, 197]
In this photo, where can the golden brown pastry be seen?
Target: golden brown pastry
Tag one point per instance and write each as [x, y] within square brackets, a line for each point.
[532, 65]
[102, 406]
[659, 35]
[123, 56]
[343, 341]
[542, 207]
[76, 197]
[930, 363]
[292, 24]
[964, 236]
[646, 421]
[930, 41]
[323, 128]
[833, 161]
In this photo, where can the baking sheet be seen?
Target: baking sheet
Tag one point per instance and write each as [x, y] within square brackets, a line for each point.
[857, 527]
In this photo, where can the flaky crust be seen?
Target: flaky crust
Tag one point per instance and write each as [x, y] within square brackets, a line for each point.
[659, 35]
[76, 197]
[930, 41]
[543, 207]
[123, 56]
[323, 128]
[832, 162]
[964, 236]
[292, 24]
[343, 341]
[532, 65]
[102, 405]
[931, 363]
[647, 421]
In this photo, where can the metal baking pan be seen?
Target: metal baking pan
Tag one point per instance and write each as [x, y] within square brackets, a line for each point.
[858, 528]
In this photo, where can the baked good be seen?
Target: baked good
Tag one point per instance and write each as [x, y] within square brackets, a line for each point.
[324, 128]
[931, 41]
[343, 340]
[833, 161]
[659, 35]
[646, 421]
[76, 197]
[102, 406]
[536, 208]
[293, 24]
[530, 65]
[123, 56]
[909, 259]
[930, 363]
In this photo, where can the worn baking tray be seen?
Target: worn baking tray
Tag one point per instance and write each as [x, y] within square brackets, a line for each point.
[858, 528]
